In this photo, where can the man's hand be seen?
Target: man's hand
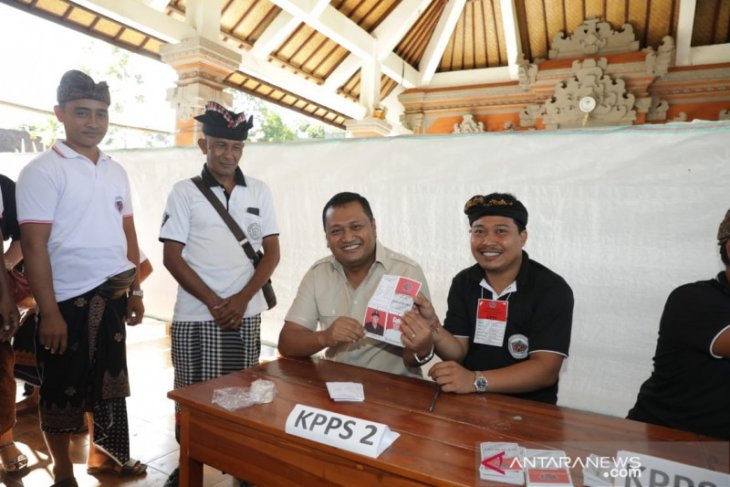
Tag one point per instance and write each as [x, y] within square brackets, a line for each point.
[229, 312]
[425, 309]
[343, 330]
[416, 333]
[135, 310]
[9, 318]
[53, 332]
[452, 377]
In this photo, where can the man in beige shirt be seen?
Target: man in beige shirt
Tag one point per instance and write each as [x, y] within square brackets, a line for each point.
[334, 294]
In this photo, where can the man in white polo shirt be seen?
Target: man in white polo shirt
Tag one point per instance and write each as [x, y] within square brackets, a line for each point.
[81, 258]
[217, 318]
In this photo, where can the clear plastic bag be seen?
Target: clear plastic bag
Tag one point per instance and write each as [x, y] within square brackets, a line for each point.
[230, 398]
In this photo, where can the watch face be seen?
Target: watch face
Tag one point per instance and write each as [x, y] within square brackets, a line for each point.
[480, 384]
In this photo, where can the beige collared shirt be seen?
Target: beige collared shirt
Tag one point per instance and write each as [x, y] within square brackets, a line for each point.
[324, 295]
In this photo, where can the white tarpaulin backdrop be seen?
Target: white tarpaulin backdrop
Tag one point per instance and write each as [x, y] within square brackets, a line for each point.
[624, 215]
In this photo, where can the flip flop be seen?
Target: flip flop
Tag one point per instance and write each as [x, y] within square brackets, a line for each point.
[133, 468]
[16, 464]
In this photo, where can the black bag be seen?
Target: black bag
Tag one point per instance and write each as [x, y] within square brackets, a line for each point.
[255, 257]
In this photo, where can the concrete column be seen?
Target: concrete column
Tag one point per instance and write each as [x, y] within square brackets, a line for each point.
[202, 66]
[368, 127]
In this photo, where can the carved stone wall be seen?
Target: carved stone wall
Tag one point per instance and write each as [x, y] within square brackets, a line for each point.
[613, 104]
[593, 37]
[468, 126]
[628, 86]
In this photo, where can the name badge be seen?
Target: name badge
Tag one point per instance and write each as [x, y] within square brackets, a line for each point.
[340, 431]
[491, 322]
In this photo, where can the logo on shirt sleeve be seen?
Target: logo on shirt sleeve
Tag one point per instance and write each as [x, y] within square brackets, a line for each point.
[165, 217]
[119, 203]
[518, 346]
[254, 231]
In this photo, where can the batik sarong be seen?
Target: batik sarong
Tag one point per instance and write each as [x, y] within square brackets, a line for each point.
[91, 375]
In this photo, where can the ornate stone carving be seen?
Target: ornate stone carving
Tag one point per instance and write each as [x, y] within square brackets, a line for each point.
[614, 105]
[468, 126]
[413, 122]
[642, 105]
[593, 36]
[659, 61]
[657, 110]
[527, 73]
[682, 117]
[723, 115]
[189, 100]
[528, 116]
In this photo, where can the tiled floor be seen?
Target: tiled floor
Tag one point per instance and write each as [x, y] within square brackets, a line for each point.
[150, 416]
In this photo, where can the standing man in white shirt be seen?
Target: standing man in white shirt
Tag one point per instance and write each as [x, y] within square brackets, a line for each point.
[217, 318]
[81, 258]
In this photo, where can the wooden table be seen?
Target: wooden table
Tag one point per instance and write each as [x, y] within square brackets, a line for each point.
[438, 448]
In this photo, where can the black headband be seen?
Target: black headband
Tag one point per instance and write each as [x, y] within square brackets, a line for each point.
[495, 204]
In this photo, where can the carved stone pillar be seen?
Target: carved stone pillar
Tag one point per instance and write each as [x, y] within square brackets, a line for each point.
[368, 127]
[202, 65]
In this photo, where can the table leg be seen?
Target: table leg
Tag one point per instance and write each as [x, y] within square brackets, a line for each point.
[191, 470]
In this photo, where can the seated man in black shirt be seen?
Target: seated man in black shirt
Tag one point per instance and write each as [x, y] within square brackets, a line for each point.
[508, 323]
[689, 388]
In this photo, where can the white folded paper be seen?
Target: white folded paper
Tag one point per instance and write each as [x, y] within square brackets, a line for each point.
[340, 431]
[346, 391]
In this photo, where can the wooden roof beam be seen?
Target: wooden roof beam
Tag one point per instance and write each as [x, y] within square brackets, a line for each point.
[272, 74]
[512, 41]
[159, 5]
[205, 17]
[715, 54]
[439, 40]
[685, 24]
[141, 17]
[388, 34]
[331, 23]
[275, 34]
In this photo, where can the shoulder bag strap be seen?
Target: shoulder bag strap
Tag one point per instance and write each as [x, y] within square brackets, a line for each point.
[228, 219]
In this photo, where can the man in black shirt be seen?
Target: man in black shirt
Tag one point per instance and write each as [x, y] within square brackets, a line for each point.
[509, 318]
[689, 388]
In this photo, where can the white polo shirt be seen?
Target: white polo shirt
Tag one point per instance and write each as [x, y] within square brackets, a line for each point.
[85, 204]
[211, 250]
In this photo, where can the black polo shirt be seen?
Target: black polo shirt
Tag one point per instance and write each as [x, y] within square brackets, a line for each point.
[541, 309]
[689, 388]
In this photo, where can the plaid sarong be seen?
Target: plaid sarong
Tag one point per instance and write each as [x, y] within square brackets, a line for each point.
[201, 350]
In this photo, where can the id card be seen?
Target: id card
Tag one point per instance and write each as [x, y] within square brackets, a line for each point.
[491, 322]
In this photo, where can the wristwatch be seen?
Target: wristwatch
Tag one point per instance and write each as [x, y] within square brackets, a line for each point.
[480, 382]
[426, 359]
[137, 292]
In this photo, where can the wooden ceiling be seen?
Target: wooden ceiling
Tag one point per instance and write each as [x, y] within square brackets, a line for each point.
[411, 43]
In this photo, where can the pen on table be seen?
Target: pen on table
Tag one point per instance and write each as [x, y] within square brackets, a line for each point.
[435, 396]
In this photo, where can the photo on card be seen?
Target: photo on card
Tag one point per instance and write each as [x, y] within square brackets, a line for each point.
[393, 297]
[375, 320]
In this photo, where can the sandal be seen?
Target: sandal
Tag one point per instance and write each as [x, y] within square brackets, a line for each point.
[133, 468]
[16, 464]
